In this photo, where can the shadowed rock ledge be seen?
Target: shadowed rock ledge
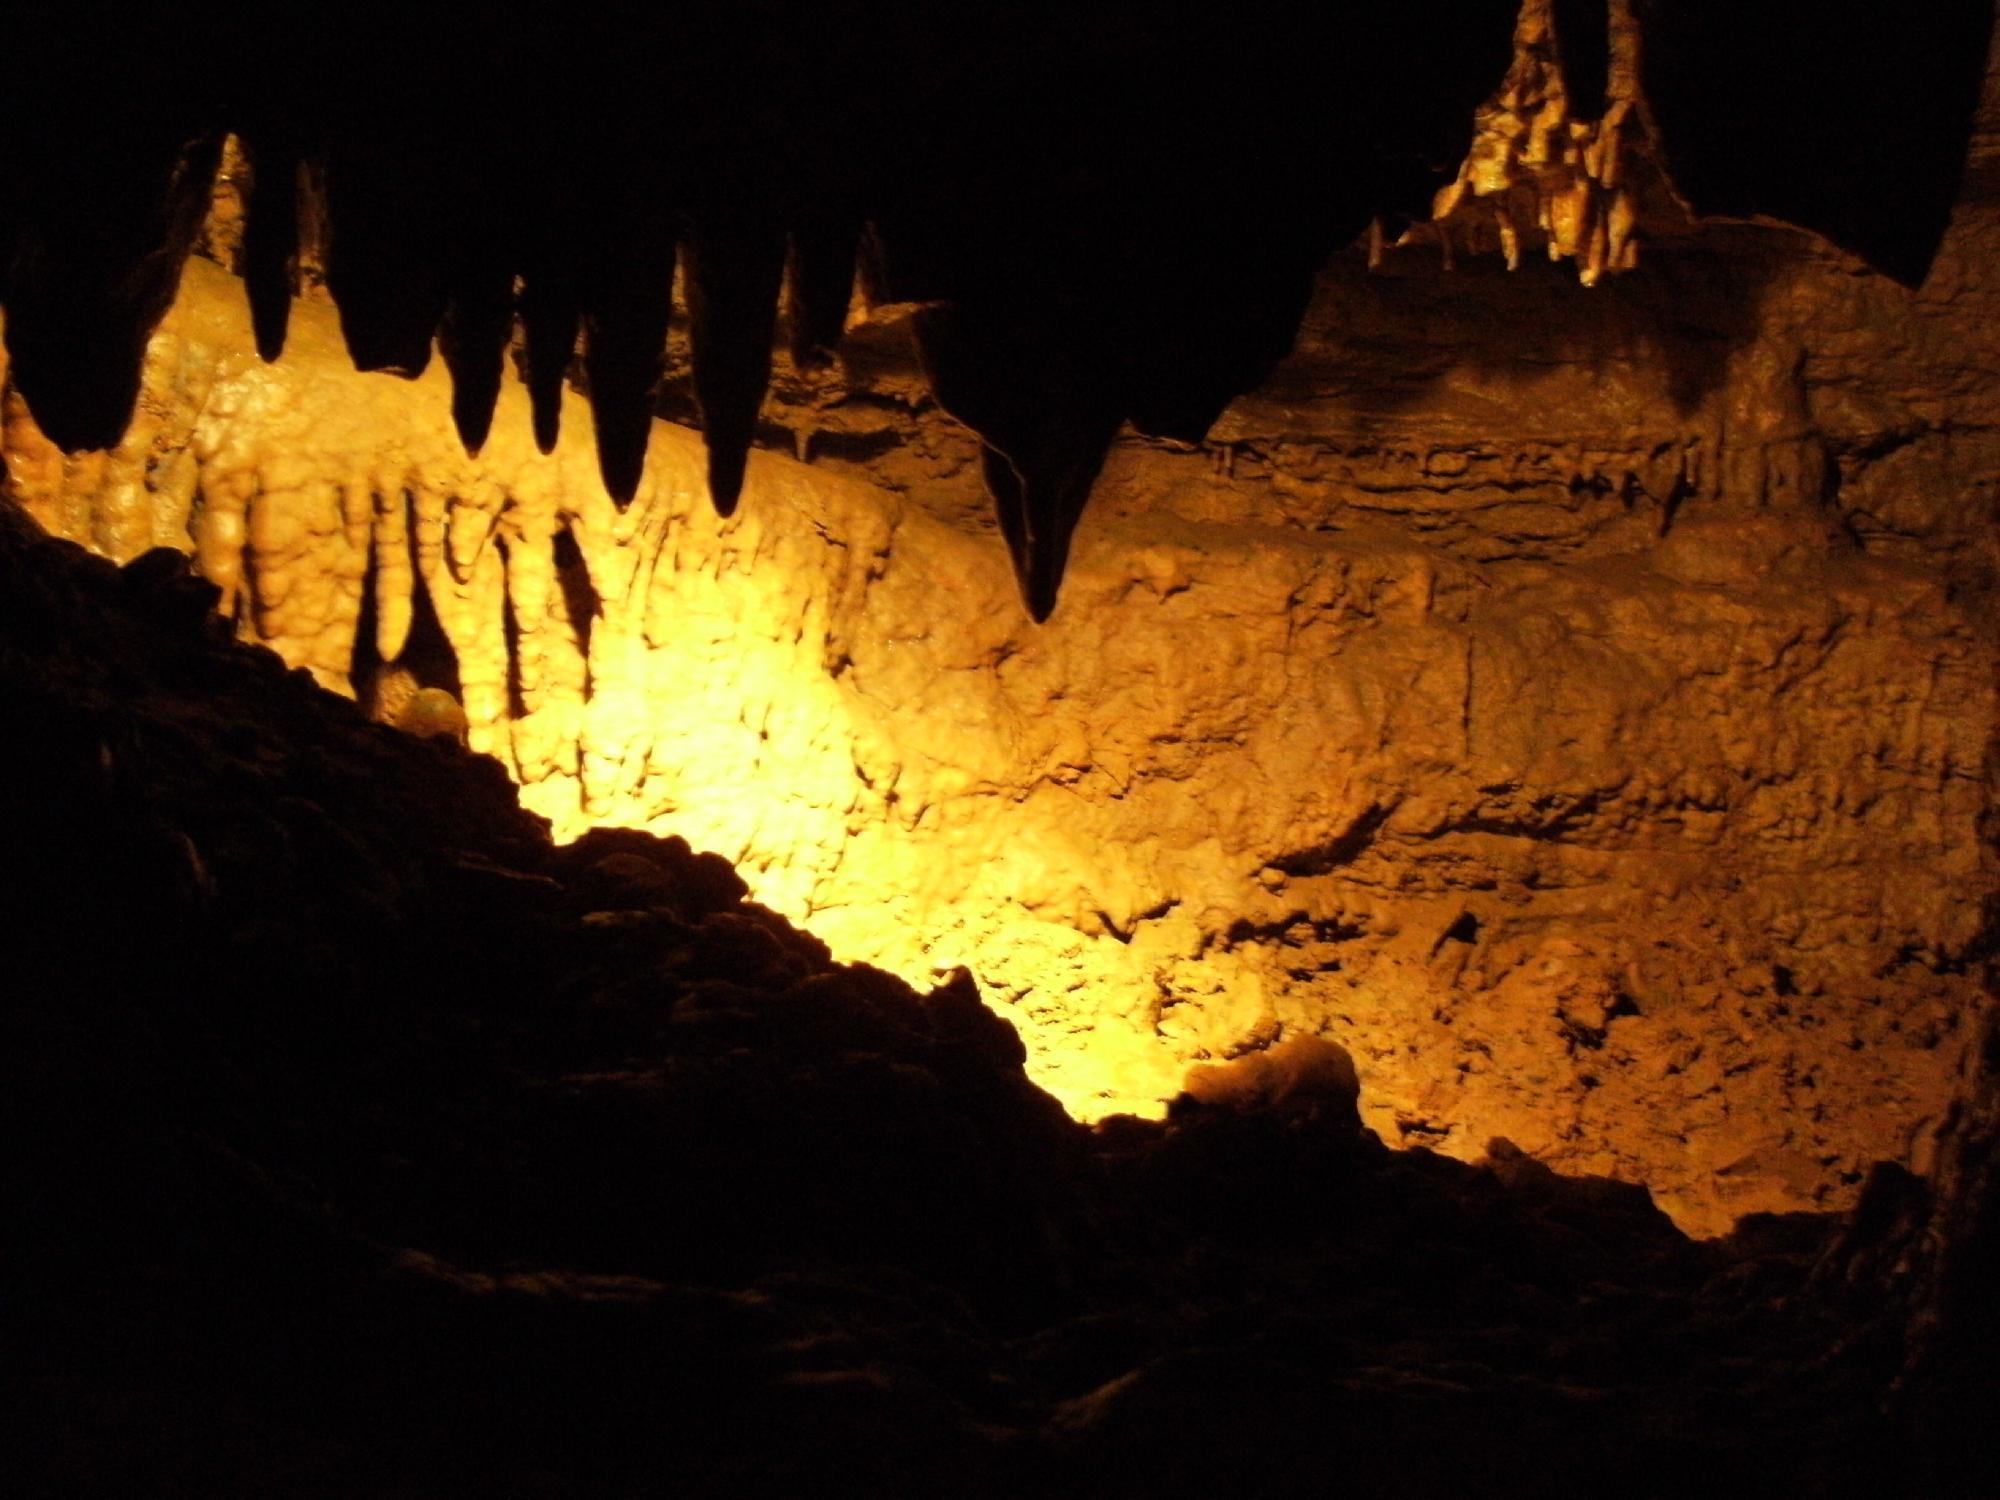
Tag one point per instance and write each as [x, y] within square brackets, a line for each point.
[363, 1142]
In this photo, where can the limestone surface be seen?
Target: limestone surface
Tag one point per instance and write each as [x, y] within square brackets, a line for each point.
[1577, 703]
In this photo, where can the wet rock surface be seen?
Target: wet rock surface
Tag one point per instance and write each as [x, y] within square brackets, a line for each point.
[363, 1142]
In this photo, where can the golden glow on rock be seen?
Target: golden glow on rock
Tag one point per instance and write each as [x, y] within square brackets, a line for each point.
[1619, 850]
[740, 742]
[1539, 179]
[736, 739]
[717, 693]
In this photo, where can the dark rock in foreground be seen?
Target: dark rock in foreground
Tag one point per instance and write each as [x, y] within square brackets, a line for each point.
[362, 1142]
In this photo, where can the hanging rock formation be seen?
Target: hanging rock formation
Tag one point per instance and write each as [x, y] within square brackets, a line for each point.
[1585, 687]
[1547, 727]
[1038, 170]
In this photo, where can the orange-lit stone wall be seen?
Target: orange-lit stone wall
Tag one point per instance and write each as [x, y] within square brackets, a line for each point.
[1577, 701]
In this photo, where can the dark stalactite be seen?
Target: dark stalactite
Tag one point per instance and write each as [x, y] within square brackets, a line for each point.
[271, 240]
[417, 163]
[735, 272]
[628, 302]
[1073, 307]
[104, 179]
[105, 232]
[486, 249]
[1048, 416]
[551, 315]
[386, 249]
[1039, 502]
[478, 322]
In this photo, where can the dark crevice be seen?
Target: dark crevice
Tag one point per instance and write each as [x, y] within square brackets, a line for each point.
[580, 598]
[510, 635]
[428, 655]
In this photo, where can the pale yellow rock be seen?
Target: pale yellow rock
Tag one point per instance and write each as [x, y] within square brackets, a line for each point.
[1537, 176]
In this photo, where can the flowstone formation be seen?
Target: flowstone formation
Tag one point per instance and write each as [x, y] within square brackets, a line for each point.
[1599, 760]
[1575, 702]
[392, 1150]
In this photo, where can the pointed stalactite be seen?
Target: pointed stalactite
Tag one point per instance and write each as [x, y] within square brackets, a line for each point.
[1046, 412]
[550, 318]
[104, 232]
[1039, 497]
[734, 276]
[627, 306]
[823, 259]
[384, 264]
[271, 240]
[478, 322]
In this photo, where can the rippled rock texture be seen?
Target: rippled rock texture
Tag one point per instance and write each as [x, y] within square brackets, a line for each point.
[1601, 761]
[363, 1142]
[1576, 702]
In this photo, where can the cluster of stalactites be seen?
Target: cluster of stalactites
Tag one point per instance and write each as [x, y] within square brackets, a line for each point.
[539, 186]
[1036, 176]
[603, 327]
[1559, 154]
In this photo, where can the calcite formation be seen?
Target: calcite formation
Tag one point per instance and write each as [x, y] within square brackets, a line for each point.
[1023, 175]
[1568, 177]
[1515, 699]
[1574, 703]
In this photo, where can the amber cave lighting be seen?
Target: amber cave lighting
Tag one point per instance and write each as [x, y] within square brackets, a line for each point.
[1479, 694]
[1146, 749]
[767, 686]
[1404, 795]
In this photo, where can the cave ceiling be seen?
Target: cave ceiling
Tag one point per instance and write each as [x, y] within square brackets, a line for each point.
[1102, 215]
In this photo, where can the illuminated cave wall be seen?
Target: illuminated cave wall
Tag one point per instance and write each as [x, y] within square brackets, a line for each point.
[1577, 702]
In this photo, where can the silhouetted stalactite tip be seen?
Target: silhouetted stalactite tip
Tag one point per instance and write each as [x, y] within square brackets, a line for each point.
[387, 214]
[271, 240]
[478, 322]
[550, 318]
[1047, 412]
[628, 303]
[1039, 500]
[734, 276]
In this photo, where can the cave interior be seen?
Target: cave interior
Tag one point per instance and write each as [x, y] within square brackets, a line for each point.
[864, 748]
